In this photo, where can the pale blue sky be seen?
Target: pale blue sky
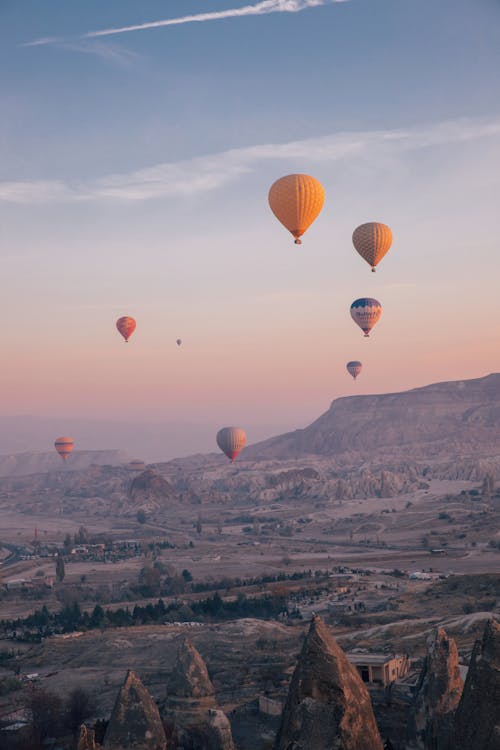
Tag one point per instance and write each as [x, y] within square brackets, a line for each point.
[134, 171]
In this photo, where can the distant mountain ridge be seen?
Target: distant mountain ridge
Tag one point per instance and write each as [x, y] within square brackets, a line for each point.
[443, 419]
[23, 464]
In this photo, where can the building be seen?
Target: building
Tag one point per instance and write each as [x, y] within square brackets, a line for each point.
[380, 670]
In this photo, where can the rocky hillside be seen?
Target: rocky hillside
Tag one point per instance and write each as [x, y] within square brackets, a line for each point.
[443, 420]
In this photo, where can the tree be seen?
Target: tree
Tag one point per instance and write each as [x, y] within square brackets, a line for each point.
[199, 527]
[67, 544]
[60, 572]
[82, 536]
[141, 516]
[80, 705]
[45, 709]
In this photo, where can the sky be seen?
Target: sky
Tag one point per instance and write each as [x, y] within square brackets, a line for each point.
[138, 141]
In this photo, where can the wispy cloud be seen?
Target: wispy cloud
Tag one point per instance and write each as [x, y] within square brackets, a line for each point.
[111, 53]
[258, 9]
[203, 174]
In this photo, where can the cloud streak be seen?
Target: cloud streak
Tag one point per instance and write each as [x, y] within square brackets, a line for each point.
[265, 7]
[203, 174]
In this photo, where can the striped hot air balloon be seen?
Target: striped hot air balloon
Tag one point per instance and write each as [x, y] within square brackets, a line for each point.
[126, 326]
[64, 446]
[231, 441]
[372, 241]
[296, 201]
[354, 368]
[365, 312]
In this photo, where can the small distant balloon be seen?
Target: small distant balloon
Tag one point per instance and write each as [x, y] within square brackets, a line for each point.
[231, 441]
[178, 342]
[126, 326]
[365, 312]
[296, 200]
[354, 368]
[372, 241]
[64, 446]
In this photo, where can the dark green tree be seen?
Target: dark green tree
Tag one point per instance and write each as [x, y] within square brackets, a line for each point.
[60, 572]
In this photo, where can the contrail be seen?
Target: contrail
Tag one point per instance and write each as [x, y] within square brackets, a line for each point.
[259, 9]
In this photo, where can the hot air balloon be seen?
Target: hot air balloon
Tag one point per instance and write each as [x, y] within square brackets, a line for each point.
[372, 241]
[64, 446]
[231, 441]
[296, 201]
[365, 312]
[126, 326]
[354, 368]
[178, 342]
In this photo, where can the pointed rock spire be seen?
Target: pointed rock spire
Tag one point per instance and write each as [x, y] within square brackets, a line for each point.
[218, 733]
[477, 721]
[190, 676]
[438, 692]
[86, 739]
[135, 722]
[328, 706]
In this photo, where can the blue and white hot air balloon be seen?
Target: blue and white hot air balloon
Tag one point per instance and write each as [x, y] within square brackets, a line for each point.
[366, 311]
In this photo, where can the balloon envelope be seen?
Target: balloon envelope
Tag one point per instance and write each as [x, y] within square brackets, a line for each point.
[296, 201]
[365, 312]
[178, 342]
[126, 326]
[354, 368]
[372, 241]
[64, 446]
[231, 441]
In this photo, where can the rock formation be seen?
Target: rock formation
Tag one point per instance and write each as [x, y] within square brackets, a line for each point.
[438, 692]
[86, 739]
[135, 722]
[477, 720]
[190, 677]
[150, 486]
[328, 706]
[439, 420]
[191, 705]
[218, 733]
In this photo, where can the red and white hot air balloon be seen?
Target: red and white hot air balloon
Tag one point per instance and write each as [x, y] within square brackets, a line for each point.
[231, 441]
[126, 326]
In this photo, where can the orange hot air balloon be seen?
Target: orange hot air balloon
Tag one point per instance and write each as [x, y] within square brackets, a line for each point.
[231, 441]
[354, 368]
[296, 201]
[126, 326]
[372, 241]
[64, 446]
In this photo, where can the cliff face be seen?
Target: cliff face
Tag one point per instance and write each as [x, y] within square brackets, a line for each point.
[438, 693]
[438, 421]
[328, 706]
[135, 722]
[477, 721]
